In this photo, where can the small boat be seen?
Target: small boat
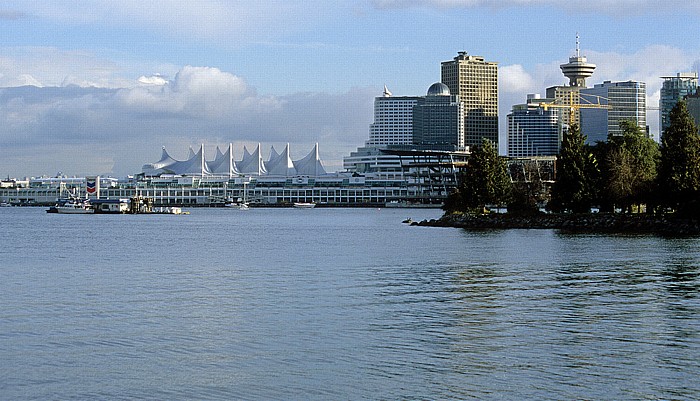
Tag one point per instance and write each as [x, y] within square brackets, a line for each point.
[169, 210]
[73, 206]
[304, 205]
[243, 206]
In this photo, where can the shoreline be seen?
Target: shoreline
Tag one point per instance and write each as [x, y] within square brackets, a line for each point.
[583, 223]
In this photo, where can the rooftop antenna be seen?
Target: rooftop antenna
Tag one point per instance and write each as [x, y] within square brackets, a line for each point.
[578, 46]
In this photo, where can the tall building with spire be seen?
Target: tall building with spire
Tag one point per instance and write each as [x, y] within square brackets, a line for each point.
[475, 81]
[577, 70]
[393, 120]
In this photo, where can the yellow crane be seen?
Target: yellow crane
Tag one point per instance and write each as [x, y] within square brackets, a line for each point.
[589, 102]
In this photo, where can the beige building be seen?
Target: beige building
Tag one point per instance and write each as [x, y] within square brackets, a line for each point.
[475, 81]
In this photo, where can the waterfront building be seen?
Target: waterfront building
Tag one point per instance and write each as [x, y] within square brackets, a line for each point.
[626, 101]
[393, 120]
[532, 130]
[438, 120]
[224, 165]
[475, 81]
[675, 88]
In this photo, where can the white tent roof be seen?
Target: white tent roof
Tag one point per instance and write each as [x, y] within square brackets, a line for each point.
[310, 165]
[252, 163]
[280, 163]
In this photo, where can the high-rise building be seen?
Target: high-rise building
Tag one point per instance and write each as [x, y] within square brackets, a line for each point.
[693, 102]
[393, 120]
[626, 101]
[673, 90]
[475, 81]
[438, 120]
[532, 130]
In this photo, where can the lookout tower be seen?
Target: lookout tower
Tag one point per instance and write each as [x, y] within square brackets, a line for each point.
[577, 69]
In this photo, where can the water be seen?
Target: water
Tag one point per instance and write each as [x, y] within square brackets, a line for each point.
[339, 304]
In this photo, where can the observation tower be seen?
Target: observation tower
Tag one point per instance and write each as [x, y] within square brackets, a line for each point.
[577, 69]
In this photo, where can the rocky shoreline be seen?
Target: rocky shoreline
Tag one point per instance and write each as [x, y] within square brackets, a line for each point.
[594, 223]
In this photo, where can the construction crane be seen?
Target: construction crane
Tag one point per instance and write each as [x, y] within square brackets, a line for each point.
[574, 106]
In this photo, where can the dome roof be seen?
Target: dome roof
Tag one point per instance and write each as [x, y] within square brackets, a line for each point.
[438, 89]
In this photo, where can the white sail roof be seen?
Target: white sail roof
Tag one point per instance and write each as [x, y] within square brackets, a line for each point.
[252, 163]
[280, 163]
[223, 163]
[311, 164]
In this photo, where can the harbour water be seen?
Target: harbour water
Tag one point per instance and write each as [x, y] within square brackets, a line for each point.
[339, 304]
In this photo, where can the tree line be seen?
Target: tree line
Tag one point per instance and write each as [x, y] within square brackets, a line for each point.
[628, 173]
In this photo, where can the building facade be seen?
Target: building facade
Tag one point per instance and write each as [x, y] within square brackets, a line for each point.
[475, 81]
[673, 90]
[438, 120]
[693, 102]
[393, 120]
[533, 131]
[626, 101]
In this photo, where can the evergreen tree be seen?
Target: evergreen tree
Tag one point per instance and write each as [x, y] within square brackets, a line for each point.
[486, 181]
[573, 189]
[679, 172]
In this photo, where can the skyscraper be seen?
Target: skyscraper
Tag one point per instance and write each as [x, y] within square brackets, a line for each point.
[438, 120]
[532, 130]
[475, 81]
[627, 101]
[673, 90]
[393, 120]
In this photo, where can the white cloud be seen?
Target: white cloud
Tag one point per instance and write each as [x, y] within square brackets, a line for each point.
[200, 105]
[50, 66]
[514, 78]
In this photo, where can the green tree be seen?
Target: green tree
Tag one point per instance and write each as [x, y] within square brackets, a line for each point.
[679, 172]
[573, 188]
[485, 181]
[629, 168]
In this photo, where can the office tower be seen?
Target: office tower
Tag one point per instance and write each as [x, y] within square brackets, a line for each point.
[475, 81]
[438, 120]
[393, 120]
[673, 90]
[693, 102]
[532, 130]
[626, 101]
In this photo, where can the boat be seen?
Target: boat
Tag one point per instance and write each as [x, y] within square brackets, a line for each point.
[72, 206]
[304, 205]
[5, 204]
[169, 210]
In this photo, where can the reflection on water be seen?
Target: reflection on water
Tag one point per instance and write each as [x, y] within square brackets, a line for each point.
[337, 303]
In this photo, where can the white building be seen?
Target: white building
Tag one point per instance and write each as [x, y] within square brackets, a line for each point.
[393, 120]
[532, 130]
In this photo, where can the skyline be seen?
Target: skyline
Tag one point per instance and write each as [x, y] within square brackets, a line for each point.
[113, 82]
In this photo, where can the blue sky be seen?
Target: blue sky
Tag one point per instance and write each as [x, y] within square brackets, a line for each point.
[111, 82]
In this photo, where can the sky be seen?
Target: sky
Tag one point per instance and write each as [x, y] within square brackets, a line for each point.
[99, 87]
